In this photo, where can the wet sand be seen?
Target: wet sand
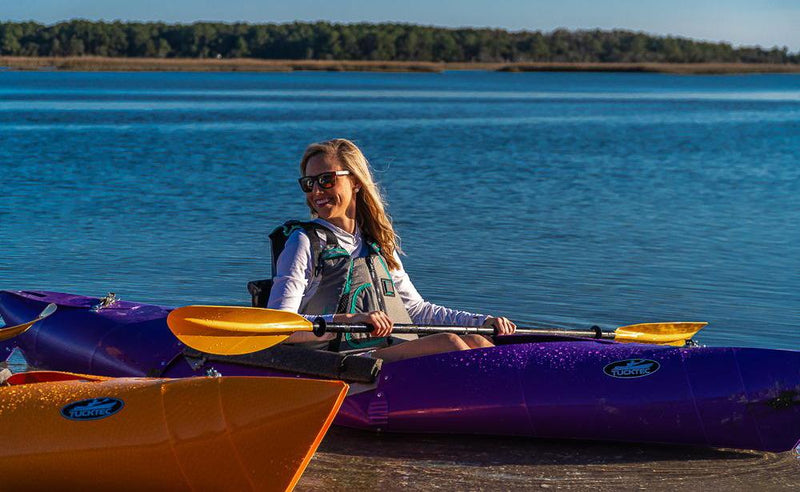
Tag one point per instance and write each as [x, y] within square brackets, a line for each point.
[357, 460]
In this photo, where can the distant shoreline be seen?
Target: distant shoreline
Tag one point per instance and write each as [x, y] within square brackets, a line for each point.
[103, 64]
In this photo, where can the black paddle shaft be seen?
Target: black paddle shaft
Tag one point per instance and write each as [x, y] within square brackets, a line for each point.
[321, 327]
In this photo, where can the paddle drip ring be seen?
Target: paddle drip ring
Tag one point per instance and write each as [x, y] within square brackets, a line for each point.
[320, 326]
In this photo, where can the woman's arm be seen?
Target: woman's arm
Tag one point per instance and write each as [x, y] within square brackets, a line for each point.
[292, 276]
[424, 312]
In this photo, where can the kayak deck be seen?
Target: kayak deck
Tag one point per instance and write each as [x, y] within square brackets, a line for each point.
[68, 431]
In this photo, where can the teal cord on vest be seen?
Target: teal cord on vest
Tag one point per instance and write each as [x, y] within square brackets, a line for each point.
[332, 253]
[346, 289]
[354, 297]
[357, 342]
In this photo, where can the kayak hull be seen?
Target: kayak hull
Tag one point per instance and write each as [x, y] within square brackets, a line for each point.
[197, 433]
[699, 397]
[580, 389]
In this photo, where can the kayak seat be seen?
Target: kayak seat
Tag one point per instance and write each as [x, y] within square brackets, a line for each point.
[259, 292]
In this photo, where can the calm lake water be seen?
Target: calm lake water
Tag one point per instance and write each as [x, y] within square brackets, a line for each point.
[566, 199]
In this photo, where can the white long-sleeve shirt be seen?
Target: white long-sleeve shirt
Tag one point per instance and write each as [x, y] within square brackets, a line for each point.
[294, 281]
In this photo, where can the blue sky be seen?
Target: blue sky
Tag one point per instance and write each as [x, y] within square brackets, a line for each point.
[741, 22]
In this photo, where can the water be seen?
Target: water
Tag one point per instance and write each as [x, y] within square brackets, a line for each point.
[568, 199]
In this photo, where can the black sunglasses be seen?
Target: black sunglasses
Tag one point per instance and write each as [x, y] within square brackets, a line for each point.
[324, 180]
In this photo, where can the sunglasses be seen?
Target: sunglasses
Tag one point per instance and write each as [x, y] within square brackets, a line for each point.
[324, 180]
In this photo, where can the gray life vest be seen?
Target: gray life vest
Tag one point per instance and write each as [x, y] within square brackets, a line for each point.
[346, 284]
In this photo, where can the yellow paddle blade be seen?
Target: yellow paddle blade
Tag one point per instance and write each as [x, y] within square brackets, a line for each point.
[673, 333]
[232, 330]
[12, 331]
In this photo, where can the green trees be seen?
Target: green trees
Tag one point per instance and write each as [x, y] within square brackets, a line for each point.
[10, 35]
[327, 41]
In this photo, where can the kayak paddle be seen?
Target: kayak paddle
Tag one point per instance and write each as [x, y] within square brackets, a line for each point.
[12, 331]
[233, 330]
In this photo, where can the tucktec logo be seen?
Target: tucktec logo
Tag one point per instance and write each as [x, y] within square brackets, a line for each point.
[92, 409]
[631, 368]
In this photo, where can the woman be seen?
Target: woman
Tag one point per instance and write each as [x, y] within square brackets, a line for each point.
[344, 264]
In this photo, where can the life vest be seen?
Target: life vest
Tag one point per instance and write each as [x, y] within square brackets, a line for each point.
[346, 284]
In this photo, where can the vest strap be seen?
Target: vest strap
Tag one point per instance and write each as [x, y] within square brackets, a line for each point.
[280, 235]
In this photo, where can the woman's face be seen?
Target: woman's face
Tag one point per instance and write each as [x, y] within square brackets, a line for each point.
[336, 202]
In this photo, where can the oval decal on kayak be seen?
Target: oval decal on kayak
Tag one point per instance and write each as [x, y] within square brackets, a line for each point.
[631, 368]
[92, 409]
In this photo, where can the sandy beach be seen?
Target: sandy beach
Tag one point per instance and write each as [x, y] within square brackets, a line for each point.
[356, 460]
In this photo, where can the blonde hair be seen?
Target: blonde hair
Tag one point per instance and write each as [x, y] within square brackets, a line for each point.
[371, 215]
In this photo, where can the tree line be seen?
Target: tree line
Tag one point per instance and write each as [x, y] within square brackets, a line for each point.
[398, 42]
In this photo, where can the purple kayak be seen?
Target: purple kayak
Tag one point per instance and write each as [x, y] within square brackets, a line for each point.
[540, 387]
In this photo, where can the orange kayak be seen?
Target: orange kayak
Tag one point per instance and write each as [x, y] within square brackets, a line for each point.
[62, 431]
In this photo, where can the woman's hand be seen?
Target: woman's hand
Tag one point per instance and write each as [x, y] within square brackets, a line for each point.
[502, 326]
[378, 319]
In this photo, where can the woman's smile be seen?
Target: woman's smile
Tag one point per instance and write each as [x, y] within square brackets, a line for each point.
[336, 204]
[321, 202]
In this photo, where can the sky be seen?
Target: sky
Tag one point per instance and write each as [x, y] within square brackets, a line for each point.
[766, 23]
